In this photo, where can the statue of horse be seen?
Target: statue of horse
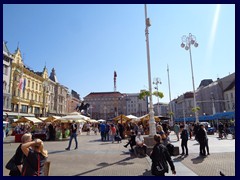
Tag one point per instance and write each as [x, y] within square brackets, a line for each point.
[83, 107]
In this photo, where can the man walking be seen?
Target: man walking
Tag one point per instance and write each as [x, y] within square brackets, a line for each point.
[73, 135]
[184, 137]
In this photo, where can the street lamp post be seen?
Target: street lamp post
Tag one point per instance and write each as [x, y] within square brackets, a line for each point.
[157, 81]
[45, 84]
[152, 126]
[187, 42]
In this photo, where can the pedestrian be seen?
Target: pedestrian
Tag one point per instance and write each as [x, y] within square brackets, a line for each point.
[160, 158]
[201, 136]
[18, 160]
[131, 141]
[112, 132]
[36, 156]
[141, 148]
[107, 129]
[176, 129]
[184, 137]
[102, 131]
[207, 147]
[73, 135]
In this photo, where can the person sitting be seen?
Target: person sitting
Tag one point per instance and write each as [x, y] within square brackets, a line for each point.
[131, 141]
[141, 148]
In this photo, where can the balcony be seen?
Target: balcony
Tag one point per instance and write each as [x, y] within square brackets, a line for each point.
[31, 102]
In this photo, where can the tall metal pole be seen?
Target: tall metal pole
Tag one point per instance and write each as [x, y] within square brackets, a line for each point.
[170, 99]
[187, 42]
[152, 126]
[184, 119]
[194, 93]
[157, 81]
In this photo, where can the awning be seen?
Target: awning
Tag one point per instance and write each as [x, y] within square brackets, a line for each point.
[29, 119]
[225, 115]
[16, 114]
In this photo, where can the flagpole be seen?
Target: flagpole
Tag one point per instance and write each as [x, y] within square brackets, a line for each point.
[20, 89]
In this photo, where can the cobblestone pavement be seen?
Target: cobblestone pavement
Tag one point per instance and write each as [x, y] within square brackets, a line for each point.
[97, 158]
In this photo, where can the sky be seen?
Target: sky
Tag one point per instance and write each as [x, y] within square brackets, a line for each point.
[86, 43]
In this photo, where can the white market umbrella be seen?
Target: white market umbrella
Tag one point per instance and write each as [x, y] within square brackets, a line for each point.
[101, 120]
[73, 117]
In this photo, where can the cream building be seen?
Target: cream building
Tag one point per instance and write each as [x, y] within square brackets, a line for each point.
[30, 99]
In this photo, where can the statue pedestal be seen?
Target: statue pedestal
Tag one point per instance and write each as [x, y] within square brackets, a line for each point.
[149, 141]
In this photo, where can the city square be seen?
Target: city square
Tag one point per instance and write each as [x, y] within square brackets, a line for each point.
[119, 70]
[97, 158]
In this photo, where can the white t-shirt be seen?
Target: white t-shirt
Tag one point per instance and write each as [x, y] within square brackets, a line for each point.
[139, 139]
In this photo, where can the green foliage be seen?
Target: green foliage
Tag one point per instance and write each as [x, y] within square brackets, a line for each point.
[196, 109]
[158, 94]
[145, 93]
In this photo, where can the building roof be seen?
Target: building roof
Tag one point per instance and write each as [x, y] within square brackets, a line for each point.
[231, 86]
[53, 76]
[205, 82]
[103, 94]
[5, 49]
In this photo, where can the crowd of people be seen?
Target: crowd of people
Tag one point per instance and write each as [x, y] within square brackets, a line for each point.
[31, 156]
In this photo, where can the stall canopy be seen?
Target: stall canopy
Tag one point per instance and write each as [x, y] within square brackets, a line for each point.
[121, 119]
[29, 119]
[133, 118]
[51, 118]
[146, 117]
[76, 117]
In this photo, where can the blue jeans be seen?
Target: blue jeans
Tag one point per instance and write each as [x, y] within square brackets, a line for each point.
[73, 135]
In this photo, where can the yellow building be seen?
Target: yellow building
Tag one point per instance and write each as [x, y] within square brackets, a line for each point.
[31, 97]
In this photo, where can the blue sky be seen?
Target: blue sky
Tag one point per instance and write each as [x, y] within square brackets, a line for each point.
[85, 44]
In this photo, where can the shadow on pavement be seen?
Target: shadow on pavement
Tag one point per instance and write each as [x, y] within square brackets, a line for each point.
[55, 152]
[179, 158]
[198, 159]
[104, 164]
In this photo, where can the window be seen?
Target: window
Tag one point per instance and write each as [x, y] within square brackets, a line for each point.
[24, 108]
[4, 85]
[36, 86]
[5, 69]
[28, 85]
[32, 85]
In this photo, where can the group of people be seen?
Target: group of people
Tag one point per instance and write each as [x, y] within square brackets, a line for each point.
[187, 131]
[30, 157]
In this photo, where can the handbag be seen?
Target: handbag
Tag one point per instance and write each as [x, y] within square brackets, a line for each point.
[11, 164]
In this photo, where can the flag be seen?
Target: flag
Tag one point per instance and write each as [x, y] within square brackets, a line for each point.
[24, 84]
[20, 84]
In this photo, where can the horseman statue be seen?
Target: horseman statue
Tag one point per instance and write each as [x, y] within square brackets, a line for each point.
[83, 108]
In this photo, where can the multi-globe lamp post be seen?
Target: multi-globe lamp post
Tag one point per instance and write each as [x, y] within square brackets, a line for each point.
[187, 42]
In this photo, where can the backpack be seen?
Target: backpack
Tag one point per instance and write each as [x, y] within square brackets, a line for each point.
[160, 167]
